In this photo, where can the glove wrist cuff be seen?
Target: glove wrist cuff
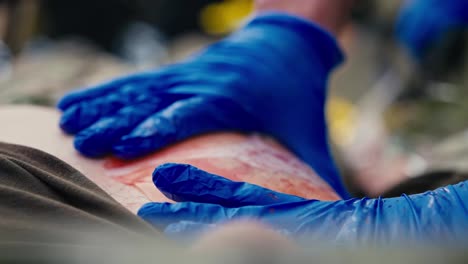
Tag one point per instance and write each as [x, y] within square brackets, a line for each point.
[314, 36]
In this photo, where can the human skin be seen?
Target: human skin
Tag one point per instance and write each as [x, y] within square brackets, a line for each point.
[131, 184]
[38, 128]
[247, 158]
[331, 15]
[232, 156]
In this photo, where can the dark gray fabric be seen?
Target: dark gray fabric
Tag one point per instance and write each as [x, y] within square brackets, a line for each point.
[42, 198]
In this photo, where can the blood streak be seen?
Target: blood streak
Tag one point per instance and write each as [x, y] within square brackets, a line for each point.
[252, 159]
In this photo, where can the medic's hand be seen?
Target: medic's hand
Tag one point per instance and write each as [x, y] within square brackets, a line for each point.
[205, 200]
[422, 23]
[270, 77]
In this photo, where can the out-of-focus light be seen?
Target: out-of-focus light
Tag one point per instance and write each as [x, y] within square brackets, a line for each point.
[341, 116]
[222, 18]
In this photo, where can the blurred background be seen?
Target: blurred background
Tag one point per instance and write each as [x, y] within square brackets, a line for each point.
[392, 122]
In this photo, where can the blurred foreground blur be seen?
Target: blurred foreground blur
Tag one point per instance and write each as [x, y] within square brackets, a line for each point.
[101, 247]
[390, 120]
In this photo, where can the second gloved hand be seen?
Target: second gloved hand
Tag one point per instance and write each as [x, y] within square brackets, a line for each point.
[205, 200]
[270, 77]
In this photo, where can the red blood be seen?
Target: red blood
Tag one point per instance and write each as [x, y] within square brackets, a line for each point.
[252, 159]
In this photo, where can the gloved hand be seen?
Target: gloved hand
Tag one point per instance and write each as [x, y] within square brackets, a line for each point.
[269, 77]
[206, 199]
[424, 22]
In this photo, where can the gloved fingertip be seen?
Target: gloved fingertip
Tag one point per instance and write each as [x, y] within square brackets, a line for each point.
[78, 117]
[138, 144]
[66, 101]
[133, 148]
[147, 209]
[68, 122]
[62, 104]
[90, 146]
[165, 174]
[72, 98]
[85, 93]
[182, 182]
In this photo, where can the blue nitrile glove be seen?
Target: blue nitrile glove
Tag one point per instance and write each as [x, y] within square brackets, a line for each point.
[270, 76]
[206, 199]
[424, 22]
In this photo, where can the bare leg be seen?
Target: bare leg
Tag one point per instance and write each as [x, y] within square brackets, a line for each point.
[253, 159]
[37, 127]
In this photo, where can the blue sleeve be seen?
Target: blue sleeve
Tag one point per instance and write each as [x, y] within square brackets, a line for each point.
[277, 67]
